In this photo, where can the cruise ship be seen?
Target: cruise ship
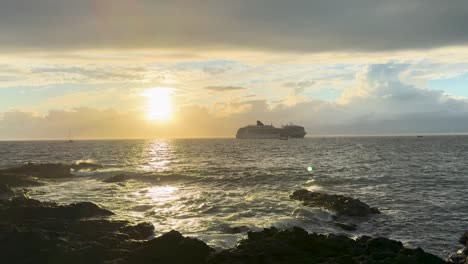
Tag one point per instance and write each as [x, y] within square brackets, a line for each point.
[261, 131]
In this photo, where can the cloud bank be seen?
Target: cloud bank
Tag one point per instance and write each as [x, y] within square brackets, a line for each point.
[379, 102]
[297, 25]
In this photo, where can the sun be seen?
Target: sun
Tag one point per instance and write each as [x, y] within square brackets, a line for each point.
[159, 104]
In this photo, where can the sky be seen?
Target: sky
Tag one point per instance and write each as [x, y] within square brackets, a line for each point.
[107, 69]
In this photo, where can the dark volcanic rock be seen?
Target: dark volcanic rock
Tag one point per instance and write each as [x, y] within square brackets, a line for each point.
[6, 192]
[42, 232]
[171, 247]
[23, 210]
[45, 170]
[297, 246]
[347, 227]
[14, 180]
[461, 256]
[342, 205]
[45, 232]
[86, 166]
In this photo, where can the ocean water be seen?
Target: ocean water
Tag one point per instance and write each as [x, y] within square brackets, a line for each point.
[204, 187]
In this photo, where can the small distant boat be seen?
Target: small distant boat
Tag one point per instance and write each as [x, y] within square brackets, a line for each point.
[420, 136]
[69, 137]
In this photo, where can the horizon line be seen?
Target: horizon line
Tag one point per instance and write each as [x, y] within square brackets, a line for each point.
[308, 136]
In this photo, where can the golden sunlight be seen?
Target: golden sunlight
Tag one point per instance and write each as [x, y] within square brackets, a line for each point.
[159, 104]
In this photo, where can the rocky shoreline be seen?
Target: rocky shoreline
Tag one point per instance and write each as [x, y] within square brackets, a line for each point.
[32, 231]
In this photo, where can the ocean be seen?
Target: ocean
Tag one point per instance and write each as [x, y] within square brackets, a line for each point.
[206, 188]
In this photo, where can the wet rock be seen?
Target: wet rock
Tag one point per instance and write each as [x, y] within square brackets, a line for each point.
[464, 239]
[32, 231]
[45, 170]
[347, 227]
[297, 246]
[48, 170]
[14, 180]
[6, 192]
[236, 229]
[21, 210]
[119, 178]
[342, 205]
[461, 256]
[139, 231]
[43, 232]
[86, 166]
[171, 247]
[228, 229]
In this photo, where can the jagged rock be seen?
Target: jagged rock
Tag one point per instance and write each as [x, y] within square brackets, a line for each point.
[49, 170]
[139, 231]
[171, 247]
[86, 166]
[45, 170]
[14, 180]
[464, 239]
[32, 231]
[6, 192]
[461, 256]
[347, 227]
[20, 210]
[235, 229]
[342, 205]
[44, 232]
[297, 246]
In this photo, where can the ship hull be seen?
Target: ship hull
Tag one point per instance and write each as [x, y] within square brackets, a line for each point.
[258, 136]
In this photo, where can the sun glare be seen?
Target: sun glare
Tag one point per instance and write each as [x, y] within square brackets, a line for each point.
[159, 104]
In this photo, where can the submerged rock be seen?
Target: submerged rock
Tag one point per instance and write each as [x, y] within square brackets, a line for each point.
[461, 256]
[45, 170]
[14, 180]
[297, 246]
[6, 192]
[22, 210]
[342, 205]
[347, 227]
[27, 175]
[86, 166]
[171, 247]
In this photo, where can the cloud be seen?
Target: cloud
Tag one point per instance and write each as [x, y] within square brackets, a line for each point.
[379, 102]
[380, 91]
[224, 88]
[297, 25]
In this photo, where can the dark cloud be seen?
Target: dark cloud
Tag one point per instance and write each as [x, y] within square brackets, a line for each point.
[224, 88]
[296, 25]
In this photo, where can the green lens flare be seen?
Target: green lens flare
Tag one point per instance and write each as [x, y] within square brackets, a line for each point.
[310, 169]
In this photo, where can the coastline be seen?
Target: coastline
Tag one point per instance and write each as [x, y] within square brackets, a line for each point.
[62, 232]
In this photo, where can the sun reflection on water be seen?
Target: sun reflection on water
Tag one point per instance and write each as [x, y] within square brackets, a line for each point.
[162, 194]
[158, 156]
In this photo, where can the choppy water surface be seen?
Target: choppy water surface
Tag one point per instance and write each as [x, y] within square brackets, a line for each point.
[418, 183]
